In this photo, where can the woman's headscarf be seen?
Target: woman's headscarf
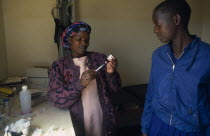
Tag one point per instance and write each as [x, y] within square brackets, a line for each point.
[72, 30]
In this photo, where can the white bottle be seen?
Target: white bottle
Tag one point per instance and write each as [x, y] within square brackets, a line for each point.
[25, 100]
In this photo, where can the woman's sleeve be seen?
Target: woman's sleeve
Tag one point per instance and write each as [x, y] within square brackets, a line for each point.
[60, 94]
[113, 81]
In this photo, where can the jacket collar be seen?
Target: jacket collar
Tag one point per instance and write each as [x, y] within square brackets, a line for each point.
[190, 51]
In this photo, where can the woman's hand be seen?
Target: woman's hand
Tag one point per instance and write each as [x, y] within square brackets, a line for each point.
[111, 66]
[87, 77]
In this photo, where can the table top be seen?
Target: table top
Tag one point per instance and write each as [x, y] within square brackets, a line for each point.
[45, 116]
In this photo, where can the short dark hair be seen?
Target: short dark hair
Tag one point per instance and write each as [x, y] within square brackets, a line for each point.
[174, 7]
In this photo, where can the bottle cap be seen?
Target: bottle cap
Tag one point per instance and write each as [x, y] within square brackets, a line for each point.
[24, 87]
[110, 57]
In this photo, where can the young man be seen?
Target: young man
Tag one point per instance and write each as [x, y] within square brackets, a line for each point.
[178, 96]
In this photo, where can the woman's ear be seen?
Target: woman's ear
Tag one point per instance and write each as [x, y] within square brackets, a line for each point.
[70, 41]
[177, 19]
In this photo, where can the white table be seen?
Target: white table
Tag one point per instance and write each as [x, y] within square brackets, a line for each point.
[45, 116]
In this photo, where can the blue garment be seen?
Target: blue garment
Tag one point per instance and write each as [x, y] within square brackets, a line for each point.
[179, 93]
[159, 128]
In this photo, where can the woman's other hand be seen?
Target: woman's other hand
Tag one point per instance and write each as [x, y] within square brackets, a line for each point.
[111, 66]
[87, 77]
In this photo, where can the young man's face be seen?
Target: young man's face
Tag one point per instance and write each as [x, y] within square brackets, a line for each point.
[164, 26]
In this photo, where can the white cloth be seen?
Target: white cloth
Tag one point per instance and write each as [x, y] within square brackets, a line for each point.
[81, 62]
[93, 116]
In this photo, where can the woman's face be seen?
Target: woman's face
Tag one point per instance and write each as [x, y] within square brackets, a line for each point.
[79, 44]
[164, 27]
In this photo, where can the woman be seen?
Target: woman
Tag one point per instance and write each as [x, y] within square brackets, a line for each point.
[178, 96]
[74, 84]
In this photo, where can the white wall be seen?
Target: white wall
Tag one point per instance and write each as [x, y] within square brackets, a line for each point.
[206, 21]
[3, 57]
[125, 29]
[29, 31]
[121, 27]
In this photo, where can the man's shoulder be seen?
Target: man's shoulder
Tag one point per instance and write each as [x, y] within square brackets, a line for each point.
[160, 49]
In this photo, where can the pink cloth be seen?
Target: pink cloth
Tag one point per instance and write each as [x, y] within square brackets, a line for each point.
[93, 115]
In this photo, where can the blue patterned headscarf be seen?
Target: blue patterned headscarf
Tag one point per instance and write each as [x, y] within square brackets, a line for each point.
[72, 30]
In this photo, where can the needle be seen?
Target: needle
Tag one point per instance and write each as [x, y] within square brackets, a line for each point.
[101, 66]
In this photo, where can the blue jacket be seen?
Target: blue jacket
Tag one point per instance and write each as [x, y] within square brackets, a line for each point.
[179, 91]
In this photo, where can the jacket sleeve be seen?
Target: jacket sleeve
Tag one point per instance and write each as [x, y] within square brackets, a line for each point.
[60, 94]
[147, 113]
[208, 127]
[113, 81]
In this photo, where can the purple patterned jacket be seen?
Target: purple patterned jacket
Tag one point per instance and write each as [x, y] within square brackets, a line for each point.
[64, 90]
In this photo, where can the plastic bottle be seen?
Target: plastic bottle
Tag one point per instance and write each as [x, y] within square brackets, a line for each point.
[25, 100]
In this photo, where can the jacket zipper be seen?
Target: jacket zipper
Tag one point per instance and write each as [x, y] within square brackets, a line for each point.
[171, 119]
[173, 67]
